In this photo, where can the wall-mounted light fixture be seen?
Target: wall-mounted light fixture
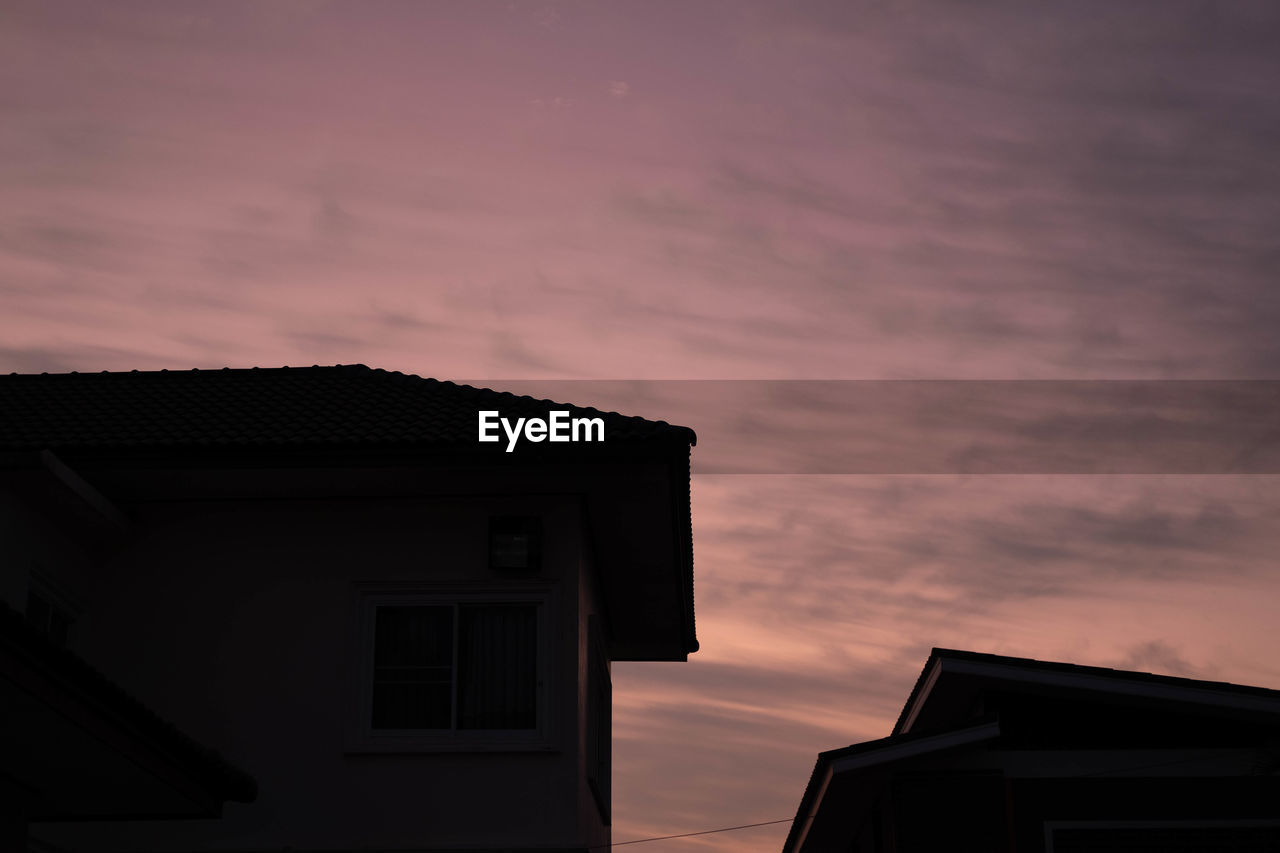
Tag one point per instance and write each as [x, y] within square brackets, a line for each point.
[515, 543]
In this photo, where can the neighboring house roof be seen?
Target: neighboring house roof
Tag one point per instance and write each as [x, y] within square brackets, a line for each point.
[268, 407]
[874, 752]
[949, 672]
[67, 687]
[942, 710]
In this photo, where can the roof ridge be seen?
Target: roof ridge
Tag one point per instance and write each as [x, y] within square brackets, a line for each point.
[937, 655]
[347, 404]
[193, 370]
[1105, 671]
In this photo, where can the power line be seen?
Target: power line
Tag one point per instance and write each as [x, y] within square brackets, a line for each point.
[789, 820]
[690, 834]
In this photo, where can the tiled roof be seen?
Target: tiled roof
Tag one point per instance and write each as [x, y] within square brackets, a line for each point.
[342, 405]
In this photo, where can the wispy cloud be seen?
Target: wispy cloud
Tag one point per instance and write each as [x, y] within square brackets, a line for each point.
[722, 190]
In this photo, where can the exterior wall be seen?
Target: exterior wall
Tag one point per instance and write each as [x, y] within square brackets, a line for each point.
[236, 621]
[594, 822]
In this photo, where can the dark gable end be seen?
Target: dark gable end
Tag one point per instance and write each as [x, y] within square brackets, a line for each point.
[996, 753]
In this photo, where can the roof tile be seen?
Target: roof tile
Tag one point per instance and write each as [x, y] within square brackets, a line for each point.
[337, 405]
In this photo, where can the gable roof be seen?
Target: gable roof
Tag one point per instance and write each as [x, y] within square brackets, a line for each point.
[341, 405]
[951, 675]
[871, 753]
[942, 714]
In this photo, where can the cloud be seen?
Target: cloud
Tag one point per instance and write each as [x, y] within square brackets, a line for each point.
[559, 102]
[1160, 656]
[65, 357]
[819, 598]
[811, 190]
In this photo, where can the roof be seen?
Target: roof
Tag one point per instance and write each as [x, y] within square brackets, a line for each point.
[938, 714]
[340, 405]
[873, 752]
[19, 640]
[1098, 677]
[110, 426]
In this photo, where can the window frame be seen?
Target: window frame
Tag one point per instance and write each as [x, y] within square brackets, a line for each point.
[362, 737]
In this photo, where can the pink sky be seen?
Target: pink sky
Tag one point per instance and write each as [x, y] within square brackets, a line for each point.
[745, 190]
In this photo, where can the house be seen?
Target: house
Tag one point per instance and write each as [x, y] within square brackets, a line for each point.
[994, 753]
[308, 609]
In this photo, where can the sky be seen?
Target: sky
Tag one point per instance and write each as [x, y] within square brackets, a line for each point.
[521, 192]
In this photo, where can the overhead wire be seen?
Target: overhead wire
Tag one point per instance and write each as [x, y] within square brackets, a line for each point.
[1103, 772]
[689, 834]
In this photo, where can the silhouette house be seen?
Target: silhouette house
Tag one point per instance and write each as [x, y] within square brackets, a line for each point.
[1006, 754]
[394, 636]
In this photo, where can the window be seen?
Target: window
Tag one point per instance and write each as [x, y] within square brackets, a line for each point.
[460, 666]
[452, 670]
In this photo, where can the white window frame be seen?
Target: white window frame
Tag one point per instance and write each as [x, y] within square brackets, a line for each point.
[362, 737]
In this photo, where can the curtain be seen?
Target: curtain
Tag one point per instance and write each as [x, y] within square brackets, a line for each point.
[497, 666]
[413, 668]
